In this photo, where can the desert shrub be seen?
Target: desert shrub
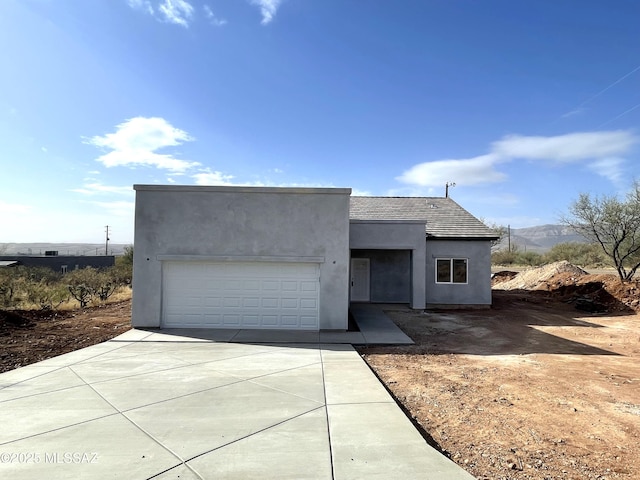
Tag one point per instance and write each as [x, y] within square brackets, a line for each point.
[82, 284]
[39, 274]
[122, 272]
[47, 296]
[89, 284]
[532, 259]
[38, 286]
[504, 257]
[584, 254]
[127, 256]
[105, 285]
[8, 286]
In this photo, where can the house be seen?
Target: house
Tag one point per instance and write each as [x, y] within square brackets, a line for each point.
[60, 263]
[294, 258]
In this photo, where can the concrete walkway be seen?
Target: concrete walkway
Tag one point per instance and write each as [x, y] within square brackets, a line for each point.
[159, 405]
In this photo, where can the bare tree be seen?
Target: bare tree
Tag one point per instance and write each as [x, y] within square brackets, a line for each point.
[612, 223]
[499, 230]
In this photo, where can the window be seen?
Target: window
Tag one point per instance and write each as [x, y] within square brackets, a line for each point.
[451, 270]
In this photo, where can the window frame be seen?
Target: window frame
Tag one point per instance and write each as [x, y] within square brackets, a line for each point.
[452, 261]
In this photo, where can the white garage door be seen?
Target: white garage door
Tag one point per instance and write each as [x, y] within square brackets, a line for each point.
[241, 295]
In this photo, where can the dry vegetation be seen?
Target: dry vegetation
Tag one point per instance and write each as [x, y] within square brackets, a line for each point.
[29, 336]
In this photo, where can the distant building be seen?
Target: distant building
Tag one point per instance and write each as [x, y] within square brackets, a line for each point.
[59, 263]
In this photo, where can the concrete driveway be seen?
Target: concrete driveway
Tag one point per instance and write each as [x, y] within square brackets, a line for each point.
[162, 405]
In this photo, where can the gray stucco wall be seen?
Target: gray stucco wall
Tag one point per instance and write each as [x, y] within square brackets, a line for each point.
[244, 224]
[395, 235]
[390, 274]
[478, 289]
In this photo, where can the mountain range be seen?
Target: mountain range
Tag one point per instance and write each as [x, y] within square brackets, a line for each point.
[540, 239]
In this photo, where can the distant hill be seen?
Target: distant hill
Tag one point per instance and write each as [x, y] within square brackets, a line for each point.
[540, 239]
[535, 239]
[61, 248]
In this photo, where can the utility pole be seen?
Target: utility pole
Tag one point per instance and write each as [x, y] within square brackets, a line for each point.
[106, 242]
[509, 237]
[446, 188]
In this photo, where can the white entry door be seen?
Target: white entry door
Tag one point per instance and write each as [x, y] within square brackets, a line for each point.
[360, 280]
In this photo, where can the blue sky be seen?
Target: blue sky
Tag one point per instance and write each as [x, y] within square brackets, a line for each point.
[523, 105]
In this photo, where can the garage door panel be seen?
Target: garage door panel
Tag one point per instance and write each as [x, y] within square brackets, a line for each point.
[270, 303]
[309, 286]
[289, 286]
[290, 320]
[289, 303]
[270, 285]
[212, 301]
[214, 319]
[251, 302]
[270, 320]
[252, 285]
[308, 303]
[233, 302]
[241, 295]
[308, 321]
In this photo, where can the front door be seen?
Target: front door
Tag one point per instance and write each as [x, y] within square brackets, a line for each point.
[359, 279]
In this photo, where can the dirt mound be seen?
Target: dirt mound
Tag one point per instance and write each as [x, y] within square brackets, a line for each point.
[502, 276]
[538, 278]
[570, 284]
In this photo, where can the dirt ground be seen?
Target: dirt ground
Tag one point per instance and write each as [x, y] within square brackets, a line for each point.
[31, 336]
[530, 389]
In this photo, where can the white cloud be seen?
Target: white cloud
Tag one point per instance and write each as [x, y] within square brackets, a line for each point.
[268, 9]
[471, 171]
[611, 168]
[566, 148]
[13, 208]
[144, 5]
[213, 19]
[603, 150]
[98, 189]
[136, 141]
[208, 177]
[360, 193]
[117, 208]
[415, 191]
[179, 12]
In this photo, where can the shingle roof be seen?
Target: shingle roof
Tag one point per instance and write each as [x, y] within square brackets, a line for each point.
[443, 217]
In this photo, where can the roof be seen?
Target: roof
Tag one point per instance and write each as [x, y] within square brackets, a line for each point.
[8, 263]
[443, 217]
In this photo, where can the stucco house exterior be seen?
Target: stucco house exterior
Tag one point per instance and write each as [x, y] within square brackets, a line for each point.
[294, 258]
